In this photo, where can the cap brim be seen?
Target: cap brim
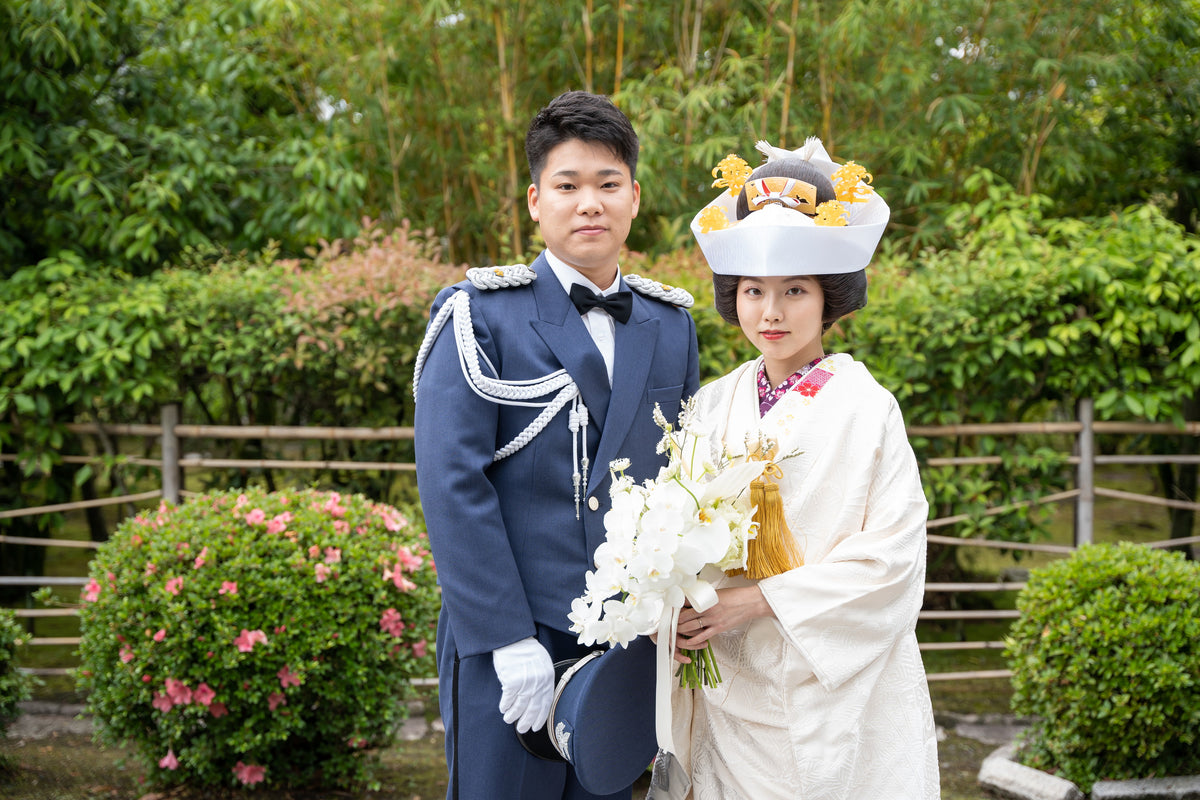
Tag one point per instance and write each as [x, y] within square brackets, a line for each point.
[602, 719]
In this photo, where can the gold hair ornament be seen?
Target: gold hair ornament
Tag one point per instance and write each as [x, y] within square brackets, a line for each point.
[712, 219]
[832, 214]
[734, 172]
[846, 183]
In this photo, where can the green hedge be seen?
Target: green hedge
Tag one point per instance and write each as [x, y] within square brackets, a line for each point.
[258, 637]
[1106, 659]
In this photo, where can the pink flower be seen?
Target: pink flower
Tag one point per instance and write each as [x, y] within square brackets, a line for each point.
[314, 551]
[322, 571]
[249, 774]
[332, 555]
[200, 559]
[341, 526]
[241, 501]
[169, 761]
[246, 640]
[146, 679]
[278, 523]
[410, 562]
[228, 587]
[179, 692]
[391, 622]
[162, 702]
[333, 505]
[136, 540]
[204, 694]
[218, 709]
[398, 580]
[126, 655]
[91, 592]
[174, 585]
[420, 648]
[256, 517]
[160, 634]
[151, 568]
[287, 677]
[275, 700]
[391, 518]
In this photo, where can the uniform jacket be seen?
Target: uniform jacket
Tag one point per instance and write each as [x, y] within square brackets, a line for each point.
[508, 547]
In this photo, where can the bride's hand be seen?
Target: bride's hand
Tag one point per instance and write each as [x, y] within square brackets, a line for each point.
[735, 607]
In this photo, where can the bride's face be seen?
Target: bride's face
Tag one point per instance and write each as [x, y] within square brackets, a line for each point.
[782, 317]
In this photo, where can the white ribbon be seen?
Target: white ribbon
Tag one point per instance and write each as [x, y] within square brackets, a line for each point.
[702, 597]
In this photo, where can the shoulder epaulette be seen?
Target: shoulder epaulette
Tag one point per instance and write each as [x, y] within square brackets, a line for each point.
[501, 277]
[660, 291]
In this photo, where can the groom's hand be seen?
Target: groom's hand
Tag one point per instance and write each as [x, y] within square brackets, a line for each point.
[526, 676]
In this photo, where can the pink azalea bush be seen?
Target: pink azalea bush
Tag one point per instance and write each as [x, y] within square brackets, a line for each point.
[247, 638]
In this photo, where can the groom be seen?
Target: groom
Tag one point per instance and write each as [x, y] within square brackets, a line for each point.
[530, 381]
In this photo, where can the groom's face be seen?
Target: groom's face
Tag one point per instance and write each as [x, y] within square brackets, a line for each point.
[584, 202]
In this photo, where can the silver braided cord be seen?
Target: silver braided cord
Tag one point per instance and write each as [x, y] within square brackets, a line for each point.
[511, 393]
[501, 277]
[651, 288]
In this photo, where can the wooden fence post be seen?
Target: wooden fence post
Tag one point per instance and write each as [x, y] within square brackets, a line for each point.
[1086, 502]
[170, 453]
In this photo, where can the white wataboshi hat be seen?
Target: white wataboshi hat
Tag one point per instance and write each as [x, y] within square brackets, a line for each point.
[776, 238]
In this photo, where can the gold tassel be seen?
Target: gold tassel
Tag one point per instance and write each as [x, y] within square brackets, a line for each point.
[773, 550]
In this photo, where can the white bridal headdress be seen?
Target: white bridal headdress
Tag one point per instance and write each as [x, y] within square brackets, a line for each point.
[786, 231]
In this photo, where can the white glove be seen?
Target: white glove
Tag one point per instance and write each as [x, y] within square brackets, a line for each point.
[526, 676]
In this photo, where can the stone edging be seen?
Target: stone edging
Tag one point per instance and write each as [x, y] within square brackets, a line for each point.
[1006, 778]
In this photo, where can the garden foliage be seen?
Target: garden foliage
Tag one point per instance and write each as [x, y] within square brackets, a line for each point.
[14, 685]
[258, 637]
[1106, 659]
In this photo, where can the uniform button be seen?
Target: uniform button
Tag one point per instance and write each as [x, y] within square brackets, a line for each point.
[593, 503]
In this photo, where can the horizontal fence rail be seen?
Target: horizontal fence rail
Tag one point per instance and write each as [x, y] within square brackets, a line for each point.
[173, 463]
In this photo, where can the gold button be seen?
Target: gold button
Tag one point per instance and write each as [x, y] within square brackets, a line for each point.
[593, 503]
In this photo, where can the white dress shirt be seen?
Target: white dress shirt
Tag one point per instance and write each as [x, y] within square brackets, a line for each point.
[599, 324]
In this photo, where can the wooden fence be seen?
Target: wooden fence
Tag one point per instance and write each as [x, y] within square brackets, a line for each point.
[172, 466]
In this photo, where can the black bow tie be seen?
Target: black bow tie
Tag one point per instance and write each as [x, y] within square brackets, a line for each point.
[619, 305]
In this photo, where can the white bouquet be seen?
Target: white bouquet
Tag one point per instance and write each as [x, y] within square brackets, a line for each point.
[666, 540]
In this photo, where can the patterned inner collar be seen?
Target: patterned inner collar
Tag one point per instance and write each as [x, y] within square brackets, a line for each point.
[768, 397]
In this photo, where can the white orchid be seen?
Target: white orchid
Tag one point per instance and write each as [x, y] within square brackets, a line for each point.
[665, 538]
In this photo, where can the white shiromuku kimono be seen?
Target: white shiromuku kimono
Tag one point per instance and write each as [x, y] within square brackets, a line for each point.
[829, 701]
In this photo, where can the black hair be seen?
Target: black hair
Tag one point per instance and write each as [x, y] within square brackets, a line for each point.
[591, 118]
[844, 292]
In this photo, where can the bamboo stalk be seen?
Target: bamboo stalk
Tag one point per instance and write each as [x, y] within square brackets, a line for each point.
[100, 501]
[273, 463]
[999, 613]
[960, 646]
[789, 79]
[589, 37]
[1000, 545]
[1116, 494]
[507, 114]
[620, 47]
[969, 676]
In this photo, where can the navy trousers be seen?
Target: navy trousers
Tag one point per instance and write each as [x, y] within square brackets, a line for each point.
[486, 761]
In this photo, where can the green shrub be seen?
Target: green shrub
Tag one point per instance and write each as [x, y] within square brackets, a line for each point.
[258, 637]
[14, 685]
[1106, 659]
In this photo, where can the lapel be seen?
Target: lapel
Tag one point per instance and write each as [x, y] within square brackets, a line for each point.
[562, 330]
[635, 344]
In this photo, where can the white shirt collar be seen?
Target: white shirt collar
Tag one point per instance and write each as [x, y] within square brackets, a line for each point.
[569, 276]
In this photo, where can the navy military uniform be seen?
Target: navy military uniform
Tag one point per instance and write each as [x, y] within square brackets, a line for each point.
[514, 518]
